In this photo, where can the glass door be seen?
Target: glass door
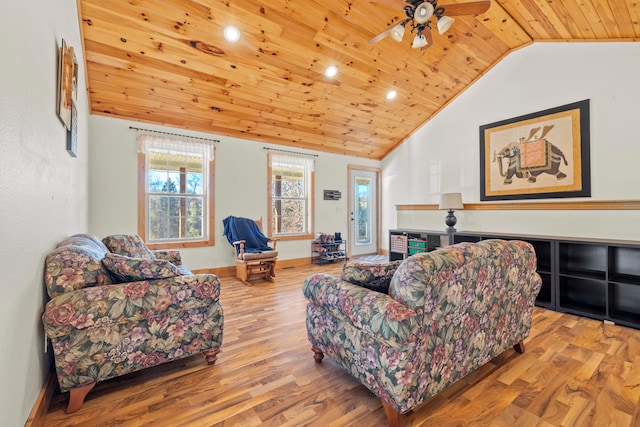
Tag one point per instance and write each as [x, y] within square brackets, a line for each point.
[363, 212]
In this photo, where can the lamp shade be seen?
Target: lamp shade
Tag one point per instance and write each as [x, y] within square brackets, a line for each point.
[397, 32]
[444, 23]
[423, 12]
[450, 201]
[419, 41]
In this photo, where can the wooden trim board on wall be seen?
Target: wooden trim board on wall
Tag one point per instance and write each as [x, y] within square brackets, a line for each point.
[41, 406]
[589, 205]
[230, 271]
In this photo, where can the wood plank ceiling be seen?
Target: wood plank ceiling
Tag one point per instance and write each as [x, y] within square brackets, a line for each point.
[166, 62]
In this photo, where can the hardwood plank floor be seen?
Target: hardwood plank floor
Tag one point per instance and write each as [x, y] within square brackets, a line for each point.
[575, 372]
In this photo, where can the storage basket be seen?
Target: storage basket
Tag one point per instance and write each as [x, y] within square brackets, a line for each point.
[417, 243]
[413, 251]
[398, 243]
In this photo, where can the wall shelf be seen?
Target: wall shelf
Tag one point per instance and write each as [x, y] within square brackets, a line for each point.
[324, 252]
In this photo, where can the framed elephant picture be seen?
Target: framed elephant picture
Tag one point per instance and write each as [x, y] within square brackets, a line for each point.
[537, 156]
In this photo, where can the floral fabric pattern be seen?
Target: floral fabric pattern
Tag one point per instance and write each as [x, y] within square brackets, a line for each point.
[173, 256]
[101, 330]
[376, 277]
[448, 312]
[128, 269]
[128, 245]
[75, 264]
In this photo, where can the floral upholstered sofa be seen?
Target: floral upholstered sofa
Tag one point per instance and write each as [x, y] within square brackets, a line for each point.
[118, 307]
[445, 314]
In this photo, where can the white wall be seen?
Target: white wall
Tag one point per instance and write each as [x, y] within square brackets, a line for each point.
[241, 188]
[43, 189]
[443, 155]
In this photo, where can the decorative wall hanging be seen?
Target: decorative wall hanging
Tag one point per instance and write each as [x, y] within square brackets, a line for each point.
[538, 155]
[72, 134]
[332, 195]
[66, 71]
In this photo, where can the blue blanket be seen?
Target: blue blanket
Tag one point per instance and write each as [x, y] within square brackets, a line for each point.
[236, 228]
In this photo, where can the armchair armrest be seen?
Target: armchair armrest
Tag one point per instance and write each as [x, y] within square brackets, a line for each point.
[273, 242]
[375, 313]
[240, 250]
[171, 255]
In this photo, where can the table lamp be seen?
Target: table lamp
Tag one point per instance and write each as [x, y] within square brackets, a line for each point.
[450, 202]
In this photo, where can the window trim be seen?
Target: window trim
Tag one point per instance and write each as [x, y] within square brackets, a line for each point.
[142, 209]
[311, 207]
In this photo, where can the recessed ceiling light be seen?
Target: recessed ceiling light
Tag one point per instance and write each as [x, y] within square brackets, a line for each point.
[231, 34]
[331, 71]
[392, 94]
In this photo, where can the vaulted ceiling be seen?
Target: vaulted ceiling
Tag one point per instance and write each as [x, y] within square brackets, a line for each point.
[166, 62]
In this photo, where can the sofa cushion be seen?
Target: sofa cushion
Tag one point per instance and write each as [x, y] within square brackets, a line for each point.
[75, 264]
[250, 256]
[129, 269]
[171, 255]
[129, 245]
[376, 277]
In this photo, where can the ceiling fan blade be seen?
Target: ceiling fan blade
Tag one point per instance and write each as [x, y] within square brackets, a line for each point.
[429, 36]
[470, 8]
[380, 36]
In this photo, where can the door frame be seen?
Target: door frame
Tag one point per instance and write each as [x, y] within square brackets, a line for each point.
[377, 171]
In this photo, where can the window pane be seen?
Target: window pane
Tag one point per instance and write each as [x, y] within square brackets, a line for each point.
[195, 224]
[363, 217]
[292, 188]
[156, 180]
[172, 185]
[158, 222]
[194, 183]
[165, 219]
[287, 187]
[289, 216]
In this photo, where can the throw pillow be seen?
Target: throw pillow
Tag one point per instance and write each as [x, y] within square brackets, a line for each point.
[376, 277]
[128, 269]
[128, 245]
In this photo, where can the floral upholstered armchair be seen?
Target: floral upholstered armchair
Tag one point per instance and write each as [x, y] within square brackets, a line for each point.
[118, 307]
[445, 314]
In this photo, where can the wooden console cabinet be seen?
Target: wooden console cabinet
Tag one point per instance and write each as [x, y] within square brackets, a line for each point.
[594, 278]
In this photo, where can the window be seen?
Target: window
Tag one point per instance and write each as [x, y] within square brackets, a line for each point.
[291, 196]
[175, 192]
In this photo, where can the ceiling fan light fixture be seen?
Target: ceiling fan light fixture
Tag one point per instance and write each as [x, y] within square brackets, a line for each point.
[419, 41]
[423, 13]
[231, 34]
[444, 23]
[397, 32]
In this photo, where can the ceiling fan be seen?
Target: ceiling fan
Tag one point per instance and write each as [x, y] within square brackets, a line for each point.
[419, 14]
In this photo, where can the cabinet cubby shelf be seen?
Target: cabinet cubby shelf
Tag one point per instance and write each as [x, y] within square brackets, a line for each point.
[594, 278]
[625, 278]
[404, 242]
[586, 274]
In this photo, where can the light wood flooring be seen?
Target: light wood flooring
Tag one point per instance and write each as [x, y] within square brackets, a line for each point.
[575, 372]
